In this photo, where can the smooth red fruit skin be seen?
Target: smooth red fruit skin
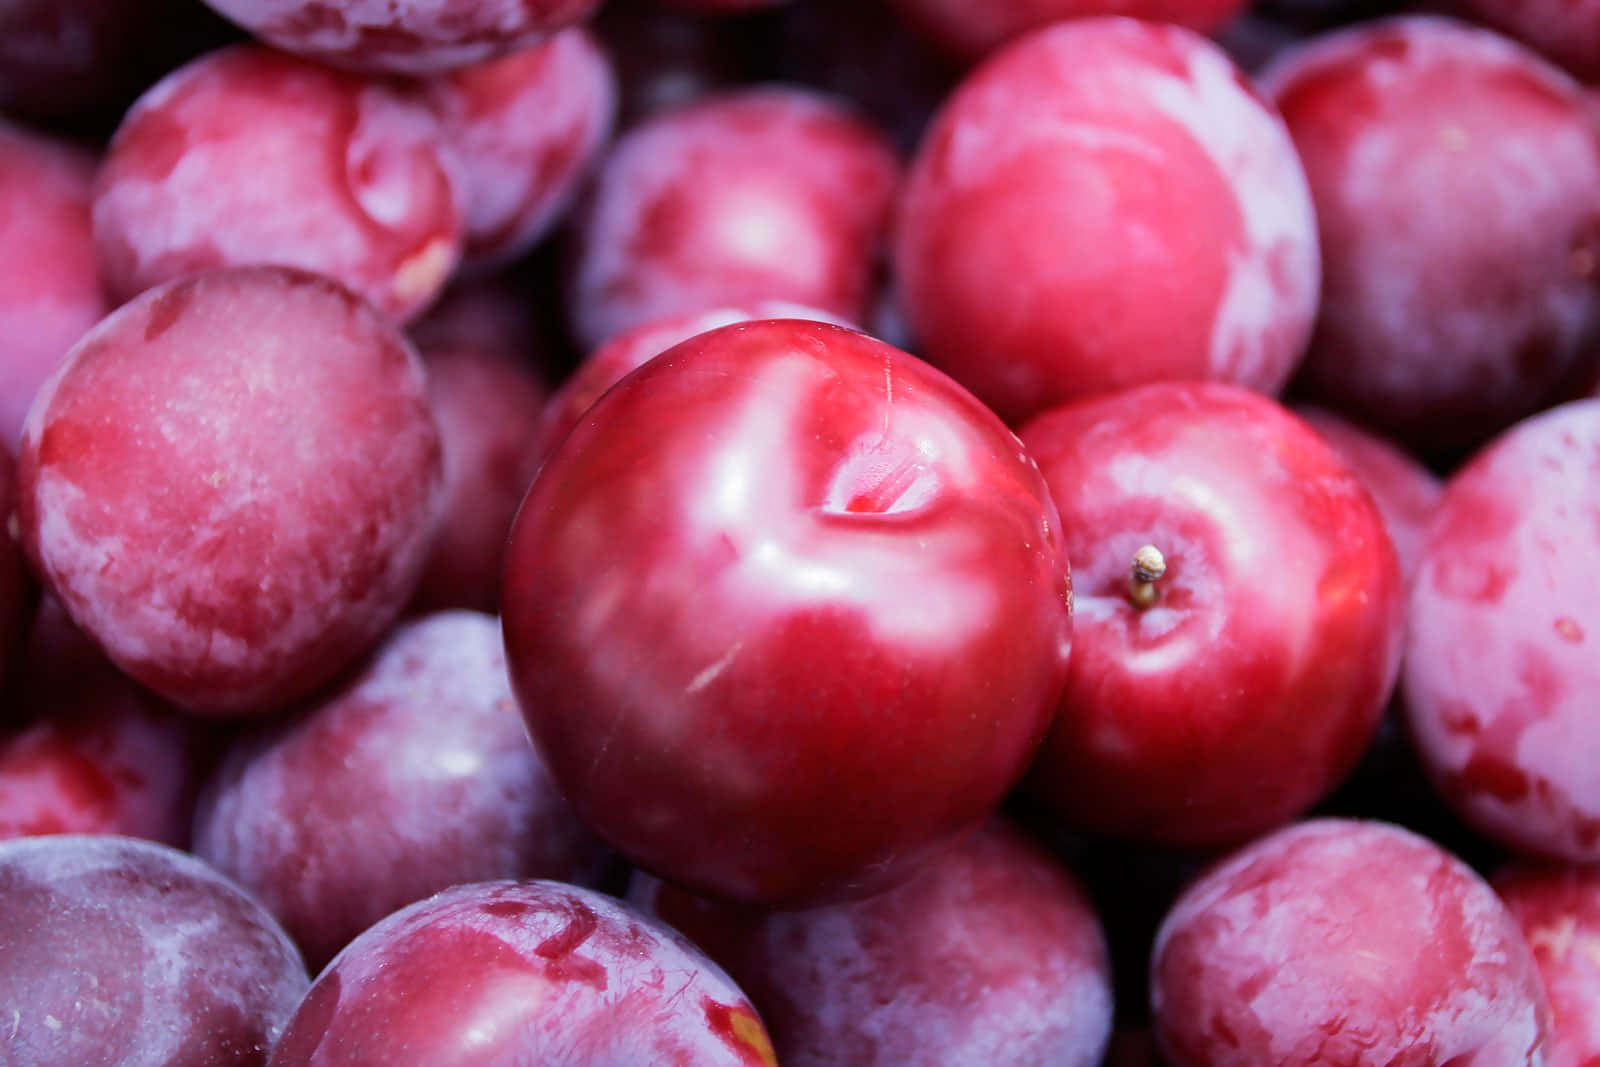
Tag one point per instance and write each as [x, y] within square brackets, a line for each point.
[1345, 942]
[990, 954]
[49, 281]
[231, 485]
[765, 193]
[1406, 492]
[1251, 688]
[403, 36]
[414, 776]
[247, 156]
[1104, 203]
[522, 973]
[1558, 909]
[126, 952]
[632, 348]
[1500, 683]
[526, 127]
[786, 613]
[1435, 332]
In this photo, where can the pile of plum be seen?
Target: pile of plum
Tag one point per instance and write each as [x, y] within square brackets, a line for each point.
[838, 533]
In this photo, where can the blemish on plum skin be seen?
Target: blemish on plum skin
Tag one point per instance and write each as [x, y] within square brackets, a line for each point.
[741, 1031]
[1568, 630]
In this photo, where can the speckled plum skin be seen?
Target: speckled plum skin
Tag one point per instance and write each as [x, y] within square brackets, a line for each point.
[1557, 908]
[786, 613]
[970, 31]
[1500, 681]
[526, 128]
[1437, 333]
[769, 193]
[1101, 204]
[232, 483]
[415, 776]
[49, 282]
[1407, 492]
[487, 392]
[523, 973]
[125, 952]
[1345, 942]
[1255, 682]
[991, 954]
[247, 156]
[634, 347]
[403, 36]
[90, 752]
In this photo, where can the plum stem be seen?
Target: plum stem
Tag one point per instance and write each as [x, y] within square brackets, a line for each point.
[1148, 567]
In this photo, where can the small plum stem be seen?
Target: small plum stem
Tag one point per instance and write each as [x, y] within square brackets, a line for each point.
[1148, 567]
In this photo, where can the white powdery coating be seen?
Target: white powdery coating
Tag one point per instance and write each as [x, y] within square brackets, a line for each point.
[802, 192]
[523, 149]
[220, 522]
[1270, 297]
[1335, 938]
[1502, 610]
[646, 999]
[401, 36]
[285, 182]
[417, 775]
[207, 954]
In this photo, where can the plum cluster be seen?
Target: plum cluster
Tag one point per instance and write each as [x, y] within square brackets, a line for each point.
[837, 533]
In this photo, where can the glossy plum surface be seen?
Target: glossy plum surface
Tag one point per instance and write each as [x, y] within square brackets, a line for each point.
[787, 612]
[1256, 679]
[633, 347]
[526, 128]
[1345, 942]
[1557, 906]
[247, 156]
[50, 290]
[1104, 203]
[415, 776]
[768, 193]
[1500, 681]
[523, 973]
[1436, 332]
[991, 954]
[1407, 492]
[232, 484]
[483, 354]
[125, 952]
[403, 36]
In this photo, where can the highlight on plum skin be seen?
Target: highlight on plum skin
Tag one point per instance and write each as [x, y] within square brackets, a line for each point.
[527, 128]
[1499, 679]
[1261, 648]
[991, 954]
[231, 485]
[523, 972]
[786, 613]
[1100, 204]
[412, 37]
[1342, 941]
[1436, 333]
[1557, 907]
[764, 193]
[50, 290]
[118, 951]
[414, 776]
[246, 156]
